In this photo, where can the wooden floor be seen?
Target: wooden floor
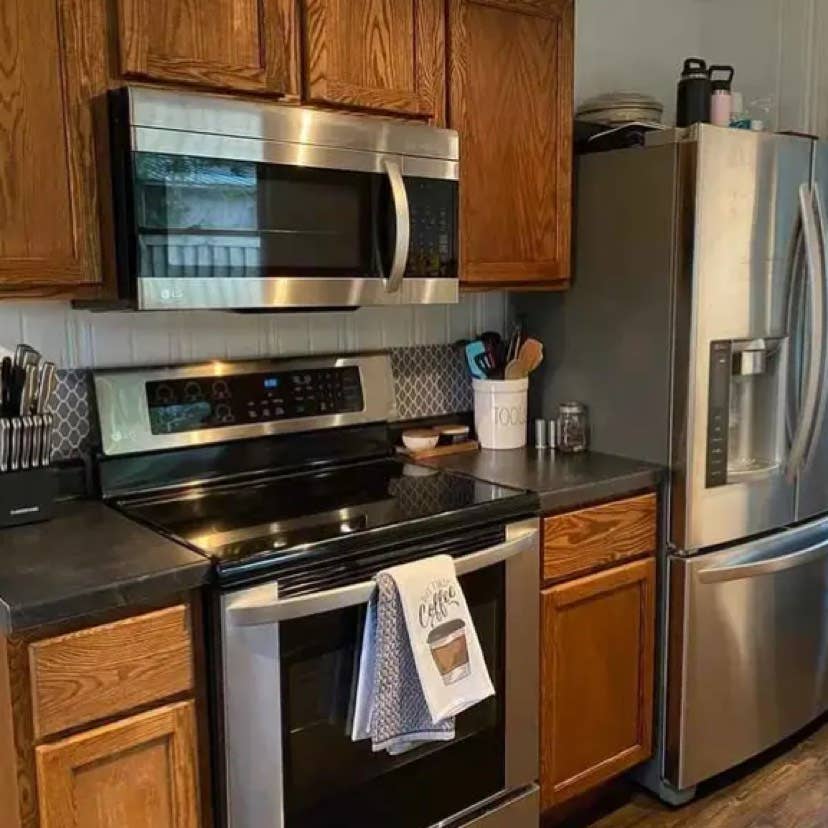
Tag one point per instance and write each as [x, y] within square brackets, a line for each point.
[786, 790]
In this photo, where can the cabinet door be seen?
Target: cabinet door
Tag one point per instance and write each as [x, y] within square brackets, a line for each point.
[510, 98]
[596, 678]
[53, 62]
[137, 772]
[382, 55]
[242, 45]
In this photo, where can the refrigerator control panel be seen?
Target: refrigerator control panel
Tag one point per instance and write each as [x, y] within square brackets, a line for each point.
[718, 413]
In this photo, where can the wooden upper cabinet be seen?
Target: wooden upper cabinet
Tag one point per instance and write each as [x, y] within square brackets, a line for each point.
[52, 62]
[510, 98]
[381, 55]
[135, 773]
[237, 45]
[597, 674]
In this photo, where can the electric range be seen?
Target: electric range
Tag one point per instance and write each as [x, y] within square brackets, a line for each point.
[283, 474]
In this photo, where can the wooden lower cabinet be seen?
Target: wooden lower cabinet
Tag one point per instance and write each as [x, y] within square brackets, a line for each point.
[141, 771]
[597, 678]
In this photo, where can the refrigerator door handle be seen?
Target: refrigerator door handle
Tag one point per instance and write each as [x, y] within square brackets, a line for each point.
[803, 435]
[755, 568]
[819, 419]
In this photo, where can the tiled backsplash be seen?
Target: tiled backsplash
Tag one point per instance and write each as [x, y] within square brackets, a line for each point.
[428, 381]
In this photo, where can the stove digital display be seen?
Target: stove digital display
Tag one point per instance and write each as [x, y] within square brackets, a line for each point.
[179, 406]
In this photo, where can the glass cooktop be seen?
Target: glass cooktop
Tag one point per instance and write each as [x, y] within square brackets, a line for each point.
[287, 515]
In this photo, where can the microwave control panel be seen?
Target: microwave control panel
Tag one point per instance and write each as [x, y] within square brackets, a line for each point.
[182, 405]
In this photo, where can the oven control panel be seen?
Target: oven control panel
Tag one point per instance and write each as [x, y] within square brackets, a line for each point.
[181, 405]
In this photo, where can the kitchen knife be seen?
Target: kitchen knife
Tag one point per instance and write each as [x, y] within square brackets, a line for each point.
[46, 383]
[26, 442]
[37, 440]
[27, 393]
[14, 458]
[46, 457]
[5, 444]
[6, 382]
[20, 354]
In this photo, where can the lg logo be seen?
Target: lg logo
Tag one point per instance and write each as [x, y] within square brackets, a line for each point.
[510, 416]
[172, 295]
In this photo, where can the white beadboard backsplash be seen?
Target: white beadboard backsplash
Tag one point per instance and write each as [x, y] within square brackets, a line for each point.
[85, 339]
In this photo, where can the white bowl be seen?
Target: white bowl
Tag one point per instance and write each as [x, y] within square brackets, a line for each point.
[420, 440]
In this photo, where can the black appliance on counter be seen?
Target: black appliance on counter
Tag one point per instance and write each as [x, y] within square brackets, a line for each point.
[229, 204]
[282, 473]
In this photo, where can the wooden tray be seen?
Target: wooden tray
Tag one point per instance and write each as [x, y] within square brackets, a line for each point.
[440, 451]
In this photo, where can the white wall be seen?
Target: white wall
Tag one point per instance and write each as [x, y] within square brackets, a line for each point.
[635, 45]
[77, 339]
[777, 47]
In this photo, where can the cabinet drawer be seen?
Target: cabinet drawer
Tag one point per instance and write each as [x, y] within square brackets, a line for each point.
[590, 539]
[105, 671]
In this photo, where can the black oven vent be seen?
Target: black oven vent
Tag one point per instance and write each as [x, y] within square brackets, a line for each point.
[337, 570]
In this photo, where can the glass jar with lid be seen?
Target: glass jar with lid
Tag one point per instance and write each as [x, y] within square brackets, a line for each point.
[573, 427]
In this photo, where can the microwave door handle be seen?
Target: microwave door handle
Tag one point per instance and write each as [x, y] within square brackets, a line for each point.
[802, 435]
[402, 213]
[275, 611]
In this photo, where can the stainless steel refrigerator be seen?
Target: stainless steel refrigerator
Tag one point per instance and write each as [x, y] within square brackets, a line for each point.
[695, 331]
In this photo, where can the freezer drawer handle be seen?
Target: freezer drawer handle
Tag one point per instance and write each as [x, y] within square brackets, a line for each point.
[275, 611]
[770, 566]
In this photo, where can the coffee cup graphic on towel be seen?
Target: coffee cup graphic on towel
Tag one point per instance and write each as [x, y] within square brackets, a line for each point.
[450, 650]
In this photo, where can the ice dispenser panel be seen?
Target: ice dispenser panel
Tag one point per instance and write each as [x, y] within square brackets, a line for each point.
[745, 425]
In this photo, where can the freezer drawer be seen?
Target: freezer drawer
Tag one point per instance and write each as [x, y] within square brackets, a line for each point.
[748, 650]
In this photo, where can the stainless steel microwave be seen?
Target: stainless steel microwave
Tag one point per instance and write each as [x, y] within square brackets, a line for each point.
[223, 203]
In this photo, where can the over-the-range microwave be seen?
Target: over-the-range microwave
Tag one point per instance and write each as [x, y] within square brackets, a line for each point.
[222, 203]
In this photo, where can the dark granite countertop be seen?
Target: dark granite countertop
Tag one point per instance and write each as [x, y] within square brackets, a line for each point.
[561, 481]
[89, 558]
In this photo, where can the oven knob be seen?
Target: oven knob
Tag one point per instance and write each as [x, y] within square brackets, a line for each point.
[193, 392]
[224, 414]
[164, 394]
[221, 390]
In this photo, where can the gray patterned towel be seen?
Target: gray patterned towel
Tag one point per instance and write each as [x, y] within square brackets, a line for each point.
[390, 706]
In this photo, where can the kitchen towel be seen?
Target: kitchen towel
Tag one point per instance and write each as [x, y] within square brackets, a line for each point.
[421, 662]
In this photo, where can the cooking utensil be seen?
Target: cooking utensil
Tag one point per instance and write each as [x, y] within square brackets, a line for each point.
[20, 354]
[528, 359]
[37, 441]
[531, 355]
[473, 351]
[29, 389]
[46, 457]
[5, 386]
[5, 444]
[14, 458]
[26, 429]
[46, 383]
[514, 343]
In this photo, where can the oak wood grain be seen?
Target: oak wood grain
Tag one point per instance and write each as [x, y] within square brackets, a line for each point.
[575, 543]
[134, 773]
[108, 670]
[381, 55]
[9, 790]
[597, 674]
[510, 98]
[24, 744]
[239, 45]
[52, 62]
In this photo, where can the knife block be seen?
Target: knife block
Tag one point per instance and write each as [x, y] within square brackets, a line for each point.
[27, 496]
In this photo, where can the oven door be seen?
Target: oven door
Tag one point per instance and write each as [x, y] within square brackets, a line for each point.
[215, 220]
[289, 672]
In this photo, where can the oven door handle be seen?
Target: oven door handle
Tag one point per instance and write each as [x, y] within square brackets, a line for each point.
[402, 213]
[257, 611]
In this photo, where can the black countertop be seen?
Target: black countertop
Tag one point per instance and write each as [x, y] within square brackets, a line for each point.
[561, 481]
[89, 558]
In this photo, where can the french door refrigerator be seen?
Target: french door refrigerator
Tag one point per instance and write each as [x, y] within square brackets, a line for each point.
[696, 333]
